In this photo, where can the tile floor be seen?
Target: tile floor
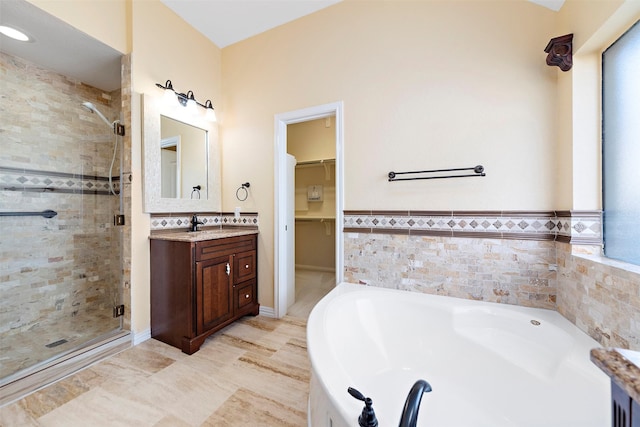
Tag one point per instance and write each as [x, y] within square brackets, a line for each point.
[253, 373]
[24, 350]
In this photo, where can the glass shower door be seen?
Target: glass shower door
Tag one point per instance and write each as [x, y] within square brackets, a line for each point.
[60, 253]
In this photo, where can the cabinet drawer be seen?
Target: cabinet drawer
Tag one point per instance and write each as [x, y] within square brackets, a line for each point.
[209, 249]
[245, 294]
[244, 266]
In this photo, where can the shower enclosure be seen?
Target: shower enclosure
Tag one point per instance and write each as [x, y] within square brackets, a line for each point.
[61, 273]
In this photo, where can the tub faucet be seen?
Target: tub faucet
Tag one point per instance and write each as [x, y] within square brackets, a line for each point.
[195, 222]
[412, 404]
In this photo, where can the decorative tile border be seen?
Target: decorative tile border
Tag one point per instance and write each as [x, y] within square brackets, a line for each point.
[183, 220]
[32, 180]
[576, 227]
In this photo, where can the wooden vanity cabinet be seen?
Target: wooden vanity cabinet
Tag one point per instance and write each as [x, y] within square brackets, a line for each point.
[197, 288]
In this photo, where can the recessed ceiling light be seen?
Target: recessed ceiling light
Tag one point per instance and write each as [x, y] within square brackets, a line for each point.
[14, 34]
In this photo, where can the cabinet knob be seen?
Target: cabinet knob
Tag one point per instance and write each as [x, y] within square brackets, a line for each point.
[246, 296]
[246, 266]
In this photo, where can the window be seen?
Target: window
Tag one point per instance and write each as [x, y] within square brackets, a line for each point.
[621, 147]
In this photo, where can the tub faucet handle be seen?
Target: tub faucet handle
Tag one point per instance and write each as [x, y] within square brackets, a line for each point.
[368, 416]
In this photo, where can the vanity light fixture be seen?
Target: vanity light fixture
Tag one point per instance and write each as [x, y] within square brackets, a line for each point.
[187, 100]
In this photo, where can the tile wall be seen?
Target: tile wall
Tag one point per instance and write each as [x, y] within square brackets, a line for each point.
[522, 258]
[498, 270]
[55, 155]
[124, 232]
[603, 299]
[182, 220]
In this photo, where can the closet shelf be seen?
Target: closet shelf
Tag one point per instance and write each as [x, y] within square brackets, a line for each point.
[315, 218]
[311, 163]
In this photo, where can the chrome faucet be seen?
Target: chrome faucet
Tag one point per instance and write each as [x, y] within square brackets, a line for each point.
[412, 404]
[195, 222]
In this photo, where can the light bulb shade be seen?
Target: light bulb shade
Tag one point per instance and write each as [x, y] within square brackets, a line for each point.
[192, 106]
[210, 115]
[170, 98]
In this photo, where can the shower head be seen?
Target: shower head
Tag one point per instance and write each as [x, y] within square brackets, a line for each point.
[92, 108]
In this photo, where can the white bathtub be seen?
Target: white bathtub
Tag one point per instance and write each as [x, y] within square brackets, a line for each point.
[488, 364]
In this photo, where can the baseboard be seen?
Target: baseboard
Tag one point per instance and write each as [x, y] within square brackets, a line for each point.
[141, 336]
[315, 268]
[267, 311]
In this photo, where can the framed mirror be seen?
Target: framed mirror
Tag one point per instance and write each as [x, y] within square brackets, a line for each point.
[181, 164]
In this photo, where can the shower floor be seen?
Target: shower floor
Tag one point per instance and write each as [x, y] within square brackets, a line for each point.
[46, 341]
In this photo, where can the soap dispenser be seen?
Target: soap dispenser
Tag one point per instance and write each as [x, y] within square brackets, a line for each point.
[368, 417]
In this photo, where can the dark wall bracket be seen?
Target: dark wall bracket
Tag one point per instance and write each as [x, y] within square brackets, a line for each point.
[560, 52]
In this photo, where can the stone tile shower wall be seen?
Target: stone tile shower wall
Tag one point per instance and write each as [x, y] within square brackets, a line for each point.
[55, 155]
[123, 233]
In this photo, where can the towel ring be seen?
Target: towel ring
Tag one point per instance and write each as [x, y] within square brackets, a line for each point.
[246, 192]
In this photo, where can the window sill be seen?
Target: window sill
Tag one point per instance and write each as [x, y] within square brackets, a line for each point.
[609, 262]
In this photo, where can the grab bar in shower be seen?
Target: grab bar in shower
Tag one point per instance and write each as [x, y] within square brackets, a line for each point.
[46, 214]
[38, 189]
[477, 171]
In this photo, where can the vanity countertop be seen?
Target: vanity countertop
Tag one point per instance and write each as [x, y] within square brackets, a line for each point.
[205, 234]
[623, 366]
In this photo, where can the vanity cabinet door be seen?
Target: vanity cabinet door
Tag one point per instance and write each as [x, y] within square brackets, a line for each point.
[214, 297]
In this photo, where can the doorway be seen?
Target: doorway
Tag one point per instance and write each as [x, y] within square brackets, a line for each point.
[327, 217]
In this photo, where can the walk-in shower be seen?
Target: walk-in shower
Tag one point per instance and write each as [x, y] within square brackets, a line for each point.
[61, 276]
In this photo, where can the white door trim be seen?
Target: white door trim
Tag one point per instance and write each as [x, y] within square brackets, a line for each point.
[280, 225]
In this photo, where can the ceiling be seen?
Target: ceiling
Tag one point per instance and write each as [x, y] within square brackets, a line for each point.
[226, 22]
[59, 47]
[68, 51]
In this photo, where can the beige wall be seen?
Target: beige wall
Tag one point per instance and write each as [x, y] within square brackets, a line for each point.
[595, 25]
[424, 84]
[164, 47]
[106, 21]
[312, 140]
